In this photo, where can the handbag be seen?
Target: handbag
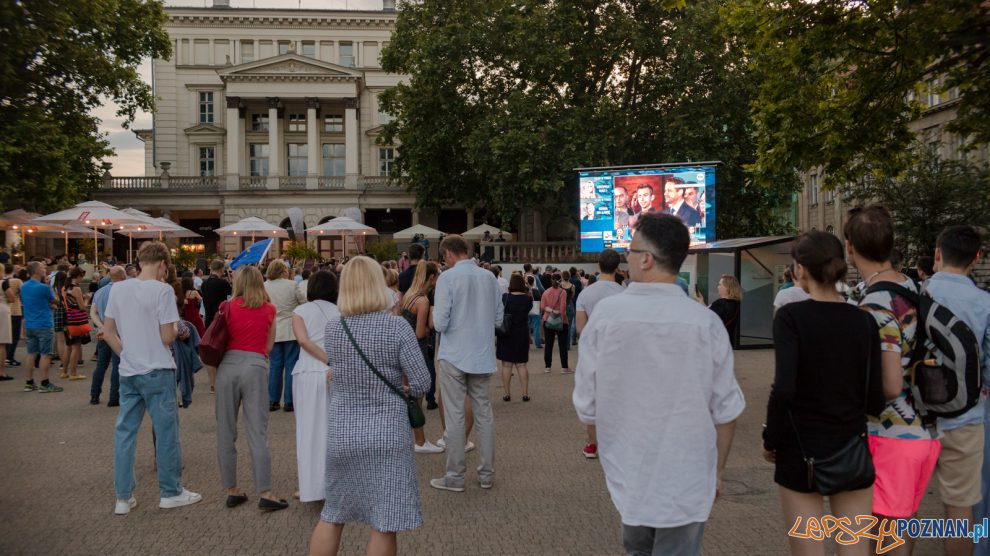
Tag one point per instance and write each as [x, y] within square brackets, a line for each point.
[213, 344]
[555, 321]
[849, 468]
[505, 328]
[76, 320]
[416, 416]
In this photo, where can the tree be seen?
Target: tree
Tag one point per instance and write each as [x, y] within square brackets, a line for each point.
[840, 80]
[506, 97]
[930, 195]
[60, 61]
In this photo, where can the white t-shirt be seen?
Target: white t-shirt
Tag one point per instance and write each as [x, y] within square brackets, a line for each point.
[596, 292]
[197, 283]
[792, 294]
[503, 284]
[139, 307]
[315, 315]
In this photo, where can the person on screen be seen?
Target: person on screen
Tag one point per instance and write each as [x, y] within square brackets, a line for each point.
[589, 212]
[691, 197]
[644, 198]
[622, 209]
[674, 195]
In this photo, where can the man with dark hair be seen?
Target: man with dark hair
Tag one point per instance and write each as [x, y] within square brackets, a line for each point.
[605, 286]
[904, 452]
[104, 355]
[622, 209]
[638, 380]
[673, 194]
[215, 289]
[925, 268]
[406, 276]
[37, 300]
[467, 311]
[644, 198]
[962, 474]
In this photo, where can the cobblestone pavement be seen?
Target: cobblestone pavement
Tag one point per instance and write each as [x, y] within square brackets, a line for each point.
[56, 460]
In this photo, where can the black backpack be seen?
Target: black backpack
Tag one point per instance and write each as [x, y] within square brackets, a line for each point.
[945, 363]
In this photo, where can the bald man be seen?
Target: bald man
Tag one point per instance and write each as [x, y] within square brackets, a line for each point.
[104, 355]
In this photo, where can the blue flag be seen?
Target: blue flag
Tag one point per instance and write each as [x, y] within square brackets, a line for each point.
[252, 255]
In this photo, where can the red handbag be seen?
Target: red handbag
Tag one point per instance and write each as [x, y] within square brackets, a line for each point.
[214, 343]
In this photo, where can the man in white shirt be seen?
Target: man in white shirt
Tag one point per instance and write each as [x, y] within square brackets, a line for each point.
[655, 376]
[792, 294]
[467, 310]
[141, 322]
[606, 286]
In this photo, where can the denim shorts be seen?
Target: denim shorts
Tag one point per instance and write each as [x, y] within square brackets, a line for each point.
[40, 341]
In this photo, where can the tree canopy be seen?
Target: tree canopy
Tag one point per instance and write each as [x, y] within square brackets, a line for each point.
[841, 79]
[505, 97]
[59, 61]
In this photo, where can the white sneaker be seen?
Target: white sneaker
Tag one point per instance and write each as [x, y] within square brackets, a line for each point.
[124, 507]
[428, 448]
[468, 447]
[185, 498]
[442, 443]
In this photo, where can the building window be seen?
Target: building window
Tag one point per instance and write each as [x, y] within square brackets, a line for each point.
[297, 122]
[259, 159]
[333, 159]
[383, 116]
[283, 47]
[933, 97]
[259, 122]
[386, 158]
[297, 159]
[333, 123]
[347, 54]
[206, 107]
[813, 187]
[830, 229]
[309, 49]
[829, 196]
[247, 51]
[207, 161]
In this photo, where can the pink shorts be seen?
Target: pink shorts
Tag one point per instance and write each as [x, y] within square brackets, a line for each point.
[903, 468]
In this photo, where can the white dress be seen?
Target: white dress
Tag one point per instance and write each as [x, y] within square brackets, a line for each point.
[309, 395]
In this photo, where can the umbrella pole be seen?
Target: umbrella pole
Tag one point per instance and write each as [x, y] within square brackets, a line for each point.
[96, 242]
[130, 246]
[66, 234]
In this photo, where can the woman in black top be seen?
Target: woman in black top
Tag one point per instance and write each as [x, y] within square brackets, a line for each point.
[827, 380]
[513, 350]
[727, 304]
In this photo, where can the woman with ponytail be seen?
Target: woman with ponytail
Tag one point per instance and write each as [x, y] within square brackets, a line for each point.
[827, 380]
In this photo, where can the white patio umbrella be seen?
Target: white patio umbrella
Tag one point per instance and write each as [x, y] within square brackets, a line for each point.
[343, 226]
[155, 228]
[478, 232]
[91, 214]
[252, 226]
[67, 232]
[418, 229]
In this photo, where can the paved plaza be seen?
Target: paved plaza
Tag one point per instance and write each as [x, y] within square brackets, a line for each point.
[56, 460]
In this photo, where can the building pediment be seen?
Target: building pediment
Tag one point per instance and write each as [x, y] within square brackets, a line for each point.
[289, 67]
[205, 129]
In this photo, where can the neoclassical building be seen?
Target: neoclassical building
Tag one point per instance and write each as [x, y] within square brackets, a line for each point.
[260, 110]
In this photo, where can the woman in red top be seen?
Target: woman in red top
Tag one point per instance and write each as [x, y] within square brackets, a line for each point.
[553, 305]
[190, 307]
[242, 379]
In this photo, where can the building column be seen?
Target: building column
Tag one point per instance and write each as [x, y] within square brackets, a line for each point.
[470, 218]
[314, 152]
[351, 143]
[415, 217]
[274, 143]
[234, 139]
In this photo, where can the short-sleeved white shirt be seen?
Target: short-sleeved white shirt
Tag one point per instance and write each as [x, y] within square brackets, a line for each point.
[139, 307]
[596, 292]
[792, 294]
[315, 315]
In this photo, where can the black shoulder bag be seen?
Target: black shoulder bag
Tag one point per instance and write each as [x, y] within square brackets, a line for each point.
[850, 467]
[416, 416]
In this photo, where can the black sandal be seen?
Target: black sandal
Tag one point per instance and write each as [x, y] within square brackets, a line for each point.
[525, 398]
[506, 398]
[266, 505]
[236, 500]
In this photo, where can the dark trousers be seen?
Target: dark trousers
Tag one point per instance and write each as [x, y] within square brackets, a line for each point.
[104, 357]
[15, 336]
[549, 337]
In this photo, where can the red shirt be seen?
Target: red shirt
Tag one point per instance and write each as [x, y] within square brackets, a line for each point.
[248, 328]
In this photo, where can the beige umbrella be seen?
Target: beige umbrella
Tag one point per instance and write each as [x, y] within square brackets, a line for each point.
[343, 227]
[92, 214]
[478, 232]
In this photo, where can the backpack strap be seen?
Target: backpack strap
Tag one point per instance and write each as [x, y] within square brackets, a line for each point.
[897, 289]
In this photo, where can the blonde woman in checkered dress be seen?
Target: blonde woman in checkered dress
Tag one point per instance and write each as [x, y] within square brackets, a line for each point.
[371, 469]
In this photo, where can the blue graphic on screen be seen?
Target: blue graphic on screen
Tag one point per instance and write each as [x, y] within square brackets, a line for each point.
[612, 200]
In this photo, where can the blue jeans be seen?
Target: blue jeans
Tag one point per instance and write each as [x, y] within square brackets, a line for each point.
[281, 361]
[535, 324]
[104, 356]
[572, 327]
[155, 392]
[40, 341]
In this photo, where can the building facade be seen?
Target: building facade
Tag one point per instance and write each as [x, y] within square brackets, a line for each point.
[260, 110]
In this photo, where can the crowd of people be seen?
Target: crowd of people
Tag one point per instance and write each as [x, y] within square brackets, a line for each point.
[355, 349]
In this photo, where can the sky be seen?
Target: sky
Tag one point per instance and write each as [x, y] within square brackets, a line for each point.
[129, 159]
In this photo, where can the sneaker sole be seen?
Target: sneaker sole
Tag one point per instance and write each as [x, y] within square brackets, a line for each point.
[173, 505]
[451, 489]
[486, 486]
[130, 507]
[590, 456]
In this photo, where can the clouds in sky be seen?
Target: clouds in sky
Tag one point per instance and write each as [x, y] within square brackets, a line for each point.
[129, 159]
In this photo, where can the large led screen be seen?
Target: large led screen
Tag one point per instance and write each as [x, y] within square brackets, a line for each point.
[612, 200]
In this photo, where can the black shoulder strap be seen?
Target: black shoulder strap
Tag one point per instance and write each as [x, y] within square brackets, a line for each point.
[897, 289]
[364, 357]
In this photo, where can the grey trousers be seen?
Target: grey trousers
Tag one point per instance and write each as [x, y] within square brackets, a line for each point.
[673, 541]
[243, 377]
[454, 386]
